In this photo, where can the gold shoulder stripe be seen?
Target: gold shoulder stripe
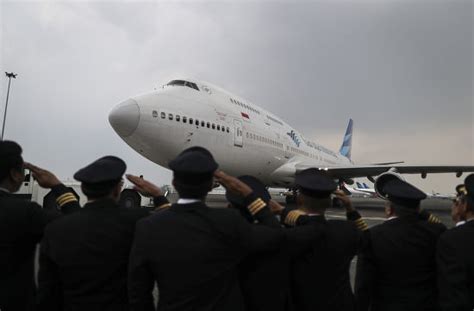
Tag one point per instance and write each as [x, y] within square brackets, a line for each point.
[256, 206]
[66, 201]
[65, 198]
[292, 217]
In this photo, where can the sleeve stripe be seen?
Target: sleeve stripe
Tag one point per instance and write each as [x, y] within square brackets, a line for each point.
[255, 203]
[292, 217]
[65, 198]
[256, 208]
[64, 202]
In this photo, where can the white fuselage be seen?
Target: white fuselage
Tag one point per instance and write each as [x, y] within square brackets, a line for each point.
[244, 138]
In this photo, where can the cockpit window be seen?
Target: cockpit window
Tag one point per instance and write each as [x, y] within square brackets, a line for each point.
[184, 83]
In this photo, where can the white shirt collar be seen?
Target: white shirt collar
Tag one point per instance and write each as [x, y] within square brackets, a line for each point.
[187, 201]
[460, 223]
[392, 217]
[4, 190]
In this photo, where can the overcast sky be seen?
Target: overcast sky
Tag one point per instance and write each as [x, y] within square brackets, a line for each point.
[403, 70]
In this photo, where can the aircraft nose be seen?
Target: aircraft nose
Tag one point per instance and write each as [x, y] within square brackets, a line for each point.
[125, 117]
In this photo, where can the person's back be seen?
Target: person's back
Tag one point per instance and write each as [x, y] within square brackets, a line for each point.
[321, 277]
[21, 228]
[193, 251]
[397, 269]
[455, 253]
[84, 258]
[403, 250]
[90, 251]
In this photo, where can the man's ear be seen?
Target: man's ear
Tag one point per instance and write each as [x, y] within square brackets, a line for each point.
[16, 176]
[462, 208]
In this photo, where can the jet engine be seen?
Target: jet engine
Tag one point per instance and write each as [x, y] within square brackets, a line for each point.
[390, 175]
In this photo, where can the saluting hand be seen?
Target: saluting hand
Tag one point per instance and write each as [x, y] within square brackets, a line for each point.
[232, 184]
[346, 201]
[143, 186]
[45, 178]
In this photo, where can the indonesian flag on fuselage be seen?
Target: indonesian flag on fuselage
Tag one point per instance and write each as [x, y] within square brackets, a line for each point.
[245, 115]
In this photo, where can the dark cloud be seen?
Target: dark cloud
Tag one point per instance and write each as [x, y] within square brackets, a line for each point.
[401, 69]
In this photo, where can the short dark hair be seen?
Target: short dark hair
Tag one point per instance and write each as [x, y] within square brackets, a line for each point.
[10, 158]
[97, 191]
[402, 211]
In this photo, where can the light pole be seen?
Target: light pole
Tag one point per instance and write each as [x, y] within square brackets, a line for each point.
[9, 75]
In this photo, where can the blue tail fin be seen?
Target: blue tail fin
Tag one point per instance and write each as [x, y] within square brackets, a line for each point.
[346, 147]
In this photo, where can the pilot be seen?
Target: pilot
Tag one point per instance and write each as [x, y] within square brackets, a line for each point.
[320, 276]
[455, 254]
[456, 209]
[22, 226]
[193, 251]
[397, 271]
[84, 257]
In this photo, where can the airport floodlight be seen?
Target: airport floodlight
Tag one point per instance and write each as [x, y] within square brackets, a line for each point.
[9, 75]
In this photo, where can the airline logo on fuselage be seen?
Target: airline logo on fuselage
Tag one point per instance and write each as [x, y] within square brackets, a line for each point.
[294, 137]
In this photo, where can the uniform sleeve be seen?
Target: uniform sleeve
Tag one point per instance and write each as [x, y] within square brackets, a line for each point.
[50, 296]
[40, 217]
[301, 238]
[355, 217]
[66, 199]
[452, 278]
[140, 279]
[365, 278]
[427, 216]
[260, 211]
[256, 238]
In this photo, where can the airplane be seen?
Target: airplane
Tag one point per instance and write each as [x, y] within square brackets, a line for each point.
[362, 190]
[244, 138]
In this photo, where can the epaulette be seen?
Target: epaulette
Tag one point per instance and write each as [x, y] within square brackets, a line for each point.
[434, 219]
[64, 195]
[292, 217]
[357, 219]
[361, 224]
[257, 205]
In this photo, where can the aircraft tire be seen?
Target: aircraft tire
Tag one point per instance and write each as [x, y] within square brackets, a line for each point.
[130, 199]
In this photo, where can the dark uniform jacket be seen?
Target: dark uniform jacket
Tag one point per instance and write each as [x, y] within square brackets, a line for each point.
[84, 258]
[192, 251]
[320, 276]
[22, 224]
[265, 276]
[455, 259]
[397, 270]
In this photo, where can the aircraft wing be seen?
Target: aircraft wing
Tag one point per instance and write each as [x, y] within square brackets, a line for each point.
[375, 170]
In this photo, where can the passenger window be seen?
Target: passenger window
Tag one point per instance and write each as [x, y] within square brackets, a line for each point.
[170, 116]
[213, 126]
[178, 117]
[208, 125]
[154, 113]
[228, 130]
[163, 115]
[247, 134]
[191, 121]
[185, 119]
[223, 129]
[203, 124]
[197, 122]
[218, 127]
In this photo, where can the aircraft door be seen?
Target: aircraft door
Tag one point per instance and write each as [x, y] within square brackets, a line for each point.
[238, 134]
